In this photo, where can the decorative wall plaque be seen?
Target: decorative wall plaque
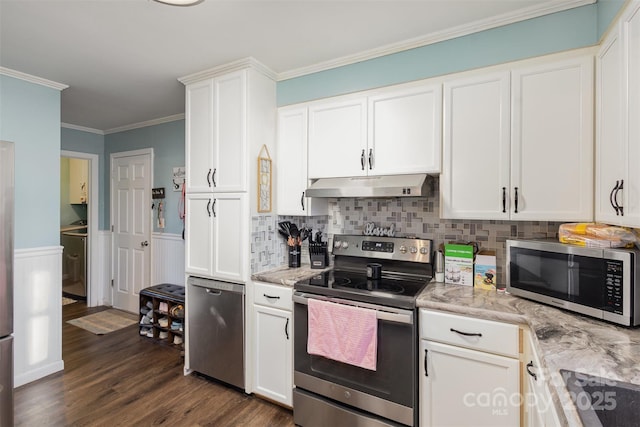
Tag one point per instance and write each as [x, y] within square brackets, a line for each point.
[264, 180]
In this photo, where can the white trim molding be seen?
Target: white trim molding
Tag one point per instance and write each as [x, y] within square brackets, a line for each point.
[548, 7]
[144, 124]
[32, 79]
[82, 128]
[37, 317]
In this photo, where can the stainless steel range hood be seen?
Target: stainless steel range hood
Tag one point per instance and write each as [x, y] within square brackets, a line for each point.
[370, 186]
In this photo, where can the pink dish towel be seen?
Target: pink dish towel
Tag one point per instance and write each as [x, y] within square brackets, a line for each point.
[344, 333]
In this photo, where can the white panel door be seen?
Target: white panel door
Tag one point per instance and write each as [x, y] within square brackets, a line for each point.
[230, 139]
[405, 131]
[461, 387]
[474, 183]
[273, 358]
[199, 234]
[230, 236]
[610, 145]
[338, 138]
[552, 141]
[199, 136]
[131, 221]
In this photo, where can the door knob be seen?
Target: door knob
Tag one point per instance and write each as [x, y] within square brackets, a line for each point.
[145, 243]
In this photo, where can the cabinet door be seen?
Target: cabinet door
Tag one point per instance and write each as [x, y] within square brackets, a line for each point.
[229, 211]
[461, 387]
[78, 178]
[475, 171]
[552, 141]
[199, 136]
[273, 349]
[631, 195]
[291, 168]
[539, 409]
[230, 139]
[199, 234]
[610, 146]
[405, 131]
[338, 138]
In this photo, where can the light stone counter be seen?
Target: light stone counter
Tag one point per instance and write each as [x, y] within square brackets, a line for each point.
[564, 340]
[287, 276]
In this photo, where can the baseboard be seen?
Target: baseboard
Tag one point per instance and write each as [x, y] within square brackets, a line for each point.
[36, 374]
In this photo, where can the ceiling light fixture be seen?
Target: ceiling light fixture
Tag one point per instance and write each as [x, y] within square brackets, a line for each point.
[180, 2]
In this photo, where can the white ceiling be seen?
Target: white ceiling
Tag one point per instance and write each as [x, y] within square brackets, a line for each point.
[121, 58]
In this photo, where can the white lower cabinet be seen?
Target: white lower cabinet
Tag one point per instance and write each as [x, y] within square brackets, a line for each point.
[273, 342]
[539, 410]
[463, 382]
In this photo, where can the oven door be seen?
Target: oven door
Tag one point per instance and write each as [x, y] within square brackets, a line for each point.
[389, 391]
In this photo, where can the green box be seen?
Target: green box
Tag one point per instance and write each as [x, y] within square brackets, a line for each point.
[458, 264]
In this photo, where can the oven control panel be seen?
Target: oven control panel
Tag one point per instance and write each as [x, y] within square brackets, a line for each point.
[395, 248]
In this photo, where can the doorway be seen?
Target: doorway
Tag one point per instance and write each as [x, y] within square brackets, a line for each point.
[82, 206]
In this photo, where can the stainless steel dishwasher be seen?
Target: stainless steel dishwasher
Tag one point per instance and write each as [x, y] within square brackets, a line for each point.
[215, 329]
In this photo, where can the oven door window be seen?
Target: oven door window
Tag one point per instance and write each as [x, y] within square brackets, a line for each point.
[567, 277]
[393, 380]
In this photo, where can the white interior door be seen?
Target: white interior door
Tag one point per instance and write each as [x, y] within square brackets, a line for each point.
[131, 176]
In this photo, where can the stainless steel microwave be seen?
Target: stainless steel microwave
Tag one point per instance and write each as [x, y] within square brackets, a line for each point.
[597, 282]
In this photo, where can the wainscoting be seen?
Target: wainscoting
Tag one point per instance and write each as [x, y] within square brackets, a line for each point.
[167, 261]
[37, 328]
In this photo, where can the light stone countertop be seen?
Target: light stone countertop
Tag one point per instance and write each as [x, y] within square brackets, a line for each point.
[564, 340]
[287, 276]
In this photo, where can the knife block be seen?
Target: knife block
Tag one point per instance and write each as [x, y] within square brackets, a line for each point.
[319, 255]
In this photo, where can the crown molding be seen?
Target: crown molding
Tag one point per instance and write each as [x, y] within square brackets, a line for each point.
[145, 124]
[32, 79]
[81, 128]
[238, 65]
[452, 33]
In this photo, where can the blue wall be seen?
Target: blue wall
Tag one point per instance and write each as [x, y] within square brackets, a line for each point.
[167, 141]
[92, 143]
[30, 117]
[571, 29]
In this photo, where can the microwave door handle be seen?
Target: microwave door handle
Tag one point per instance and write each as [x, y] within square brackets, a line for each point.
[573, 277]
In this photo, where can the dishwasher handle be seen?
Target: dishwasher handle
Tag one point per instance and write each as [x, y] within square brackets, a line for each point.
[214, 287]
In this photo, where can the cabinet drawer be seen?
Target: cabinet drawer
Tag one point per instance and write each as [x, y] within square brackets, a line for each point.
[273, 296]
[478, 334]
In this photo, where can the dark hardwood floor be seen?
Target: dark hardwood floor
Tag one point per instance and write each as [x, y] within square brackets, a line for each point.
[122, 379]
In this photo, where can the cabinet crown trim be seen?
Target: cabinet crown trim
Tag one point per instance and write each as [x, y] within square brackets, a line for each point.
[220, 70]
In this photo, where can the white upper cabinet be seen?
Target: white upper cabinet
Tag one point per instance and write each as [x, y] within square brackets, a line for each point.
[78, 178]
[199, 136]
[618, 127]
[552, 141]
[475, 173]
[527, 158]
[405, 131]
[216, 243]
[291, 167]
[395, 130]
[338, 138]
[610, 146]
[230, 132]
[216, 147]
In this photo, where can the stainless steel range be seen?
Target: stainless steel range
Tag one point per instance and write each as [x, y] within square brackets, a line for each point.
[384, 274]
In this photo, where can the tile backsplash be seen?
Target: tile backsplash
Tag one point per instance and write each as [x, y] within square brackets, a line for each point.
[413, 217]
